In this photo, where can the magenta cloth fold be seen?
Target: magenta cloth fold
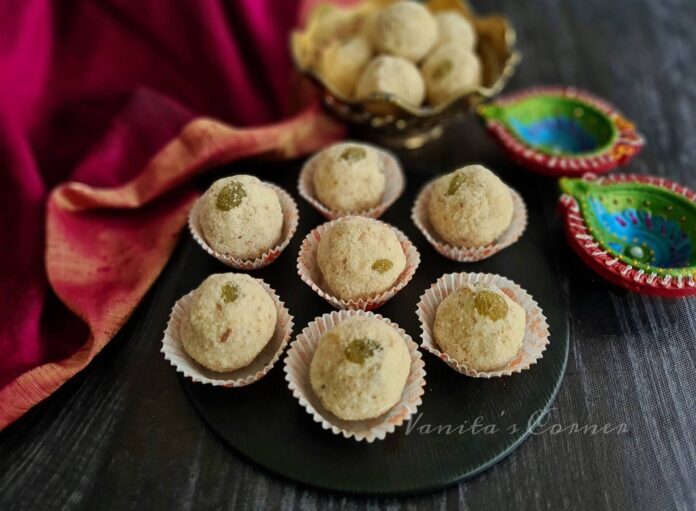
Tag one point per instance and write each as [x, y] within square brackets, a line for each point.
[107, 109]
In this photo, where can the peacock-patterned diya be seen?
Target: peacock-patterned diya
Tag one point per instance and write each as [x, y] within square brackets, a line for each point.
[637, 231]
[561, 131]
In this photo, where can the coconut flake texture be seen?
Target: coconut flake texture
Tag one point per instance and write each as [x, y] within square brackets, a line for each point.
[308, 269]
[360, 257]
[421, 218]
[536, 336]
[297, 364]
[290, 220]
[230, 320]
[174, 352]
[393, 186]
[470, 207]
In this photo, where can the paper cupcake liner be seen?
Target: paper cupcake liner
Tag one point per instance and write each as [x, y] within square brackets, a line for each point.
[297, 364]
[394, 186]
[308, 269]
[175, 353]
[421, 218]
[536, 335]
[290, 220]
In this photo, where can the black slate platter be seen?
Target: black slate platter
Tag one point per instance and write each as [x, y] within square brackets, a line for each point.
[487, 418]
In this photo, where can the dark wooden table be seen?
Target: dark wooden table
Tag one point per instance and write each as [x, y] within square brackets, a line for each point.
[122, 434]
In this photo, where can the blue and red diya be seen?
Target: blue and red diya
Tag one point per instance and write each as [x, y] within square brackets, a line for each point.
[562, 131]
[639, 232]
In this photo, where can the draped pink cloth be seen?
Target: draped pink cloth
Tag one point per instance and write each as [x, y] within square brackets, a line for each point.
[107, 110]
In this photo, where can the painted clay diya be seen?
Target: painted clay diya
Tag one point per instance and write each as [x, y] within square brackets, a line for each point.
[639, 232]
[562, 131]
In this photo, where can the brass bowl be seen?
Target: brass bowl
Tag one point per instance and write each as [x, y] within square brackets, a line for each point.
[385, 117]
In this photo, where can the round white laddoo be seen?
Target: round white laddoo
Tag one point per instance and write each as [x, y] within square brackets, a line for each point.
[450, 70]
[348, 177]
[470, 207]
[230, 320]
[342, 62]
[453, 27]
[360, 368]
[392, 75]
[241, 217]
[480, 327]
[405, 29]
[360, 257]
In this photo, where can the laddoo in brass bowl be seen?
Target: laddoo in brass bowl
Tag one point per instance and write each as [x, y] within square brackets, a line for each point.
[386, 117]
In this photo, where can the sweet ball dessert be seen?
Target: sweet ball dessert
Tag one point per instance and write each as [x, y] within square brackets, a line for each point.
[241, 217]
[450, 70]
[401, 49]
[360, 368]
[452, 26]
[343, 60]
[230, 320]
[392, 75]
[480, 326]
[404, 29]
[336, 22]
[360, 257]
[470, 207]
[349, 177]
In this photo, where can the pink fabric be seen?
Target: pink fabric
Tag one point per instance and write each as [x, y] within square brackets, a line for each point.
[128, 99]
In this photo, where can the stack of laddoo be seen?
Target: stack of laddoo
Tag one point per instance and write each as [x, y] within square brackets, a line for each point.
[404, 50]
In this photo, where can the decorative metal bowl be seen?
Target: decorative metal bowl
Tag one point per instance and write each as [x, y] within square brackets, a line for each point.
[385, 117]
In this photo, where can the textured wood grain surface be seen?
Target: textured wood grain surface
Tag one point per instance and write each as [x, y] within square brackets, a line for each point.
[123, 435]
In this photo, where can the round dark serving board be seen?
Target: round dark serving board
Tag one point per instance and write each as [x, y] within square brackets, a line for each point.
[487, 418]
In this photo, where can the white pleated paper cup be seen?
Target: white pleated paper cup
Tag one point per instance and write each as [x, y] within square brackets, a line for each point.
[393, 188]
[421, 217]
[291, 218]
[299, 358]
[536, 334]
[174, 351]
[308, 269]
